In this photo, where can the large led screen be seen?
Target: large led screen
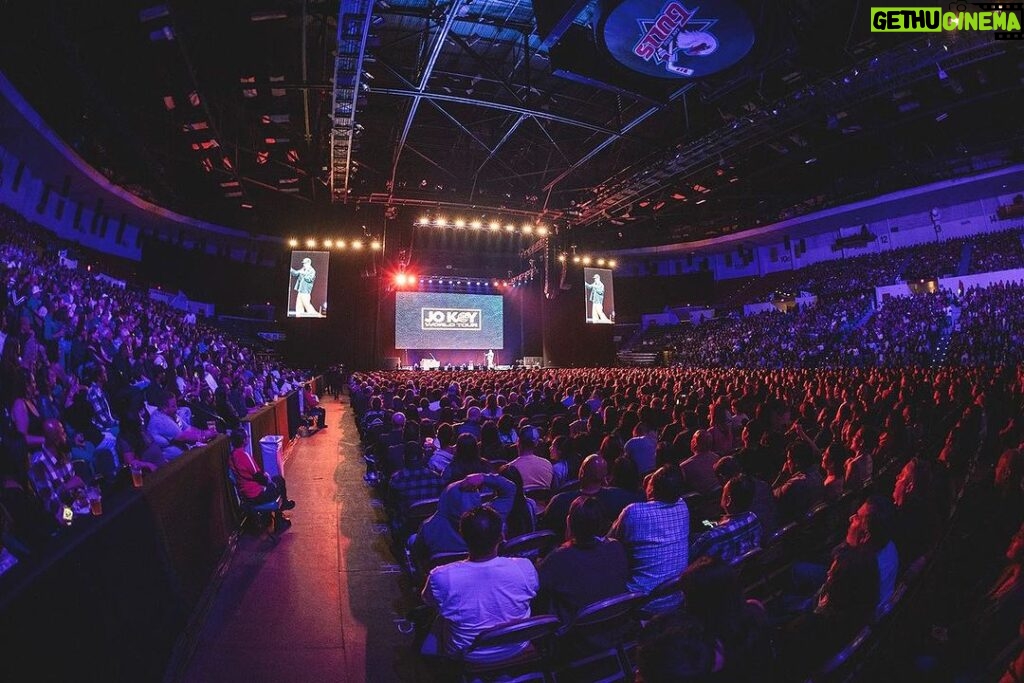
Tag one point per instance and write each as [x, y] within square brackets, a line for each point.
[307, 284]
[441, 320]
[599, 295]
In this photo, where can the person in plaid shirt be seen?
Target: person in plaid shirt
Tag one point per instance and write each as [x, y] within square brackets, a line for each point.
[50, 470]
[413, 483]
[103, 418]
[656, 534]
[739, 530]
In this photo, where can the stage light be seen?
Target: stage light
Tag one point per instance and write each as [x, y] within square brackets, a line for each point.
[586, 260]
[600, 261]
[504, 284]
[310, 243]
[440, 220]
[459, 223]
[400, 279]
[375, 245]
[527, 229]
[611, 263]
[561, 258]
[509, 227]
[328, 244]
[475, 225]
[494, 284]
[424, 220]
[293, 243]
[494, 225]
[542, 230]
[356, 244]
[340, 244]
[575, 259]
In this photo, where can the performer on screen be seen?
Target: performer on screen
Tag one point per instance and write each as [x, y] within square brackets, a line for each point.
[490, 359]
[595, 295]
[304, 279]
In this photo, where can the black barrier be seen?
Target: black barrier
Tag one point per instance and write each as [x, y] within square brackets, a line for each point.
[108, 599]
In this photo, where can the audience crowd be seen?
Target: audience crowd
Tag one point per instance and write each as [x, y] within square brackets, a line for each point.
[97, 379]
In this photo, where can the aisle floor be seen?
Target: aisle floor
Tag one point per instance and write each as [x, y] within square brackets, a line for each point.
[325, 602]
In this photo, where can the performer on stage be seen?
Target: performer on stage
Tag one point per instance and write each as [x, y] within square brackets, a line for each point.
[490, 359]
[595, 295]
[305, 277]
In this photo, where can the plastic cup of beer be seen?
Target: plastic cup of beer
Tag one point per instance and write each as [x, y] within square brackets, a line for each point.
[137, 477]
[95, 502]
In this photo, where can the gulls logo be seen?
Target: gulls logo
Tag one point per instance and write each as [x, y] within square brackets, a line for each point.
[672, 40]
[673, 37]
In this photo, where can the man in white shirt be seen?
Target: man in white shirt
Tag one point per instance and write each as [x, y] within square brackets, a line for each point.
[479, 593]
[168, 433]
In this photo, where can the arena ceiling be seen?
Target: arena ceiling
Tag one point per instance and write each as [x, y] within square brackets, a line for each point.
[224, 110]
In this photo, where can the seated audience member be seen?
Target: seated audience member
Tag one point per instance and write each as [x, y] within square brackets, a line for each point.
[699, 469]
[444, 447]
[255, 485]
[763, 505]
[507, 430]
[472, 423]
[103, 418]
[641, 448]
[565, 462]
[799, 487]
[918, 522]
[593, 473]
[226, 409]
[713, 595]
[491, 447]
[24, 412]
[522, 517]
[136, 446]
[656, 534]
[833, 462]
[50, 470]
[871, 529]
[30, 523]
[738, 531]
[478, 593]
[568, 580]
[413, 483]
[466, 461]
[845, 605]
[440, 531]
[861, 464]
[312, 404]
[536, 471]
[168, 433]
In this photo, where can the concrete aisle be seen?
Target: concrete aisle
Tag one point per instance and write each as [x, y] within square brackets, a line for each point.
[324, 603]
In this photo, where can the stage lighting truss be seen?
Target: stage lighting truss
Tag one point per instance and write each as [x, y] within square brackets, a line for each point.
[530, 229]
[588, 260]
[370, 244]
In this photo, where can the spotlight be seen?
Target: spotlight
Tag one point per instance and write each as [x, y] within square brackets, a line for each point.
[575, 259]
[600, 261]
[542, 230]
[356, 244]
[475, 225]
[310, 243]
[586, 260]
[561, 258]
[375, 245]
[611, 263]
[527, 229]
[494, 225]
[494, 284]
[424, 220]
[504, 283]
[328, 244]
[459, 223]
[340, 244]
[293, 243]
[441, 220]
[400, 279]
[509, 227]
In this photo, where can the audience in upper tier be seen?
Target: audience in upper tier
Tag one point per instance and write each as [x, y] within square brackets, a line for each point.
[96, 376]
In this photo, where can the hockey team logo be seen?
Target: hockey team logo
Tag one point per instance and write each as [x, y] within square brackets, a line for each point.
[450, 319]
[672, 40]
[673, 37]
